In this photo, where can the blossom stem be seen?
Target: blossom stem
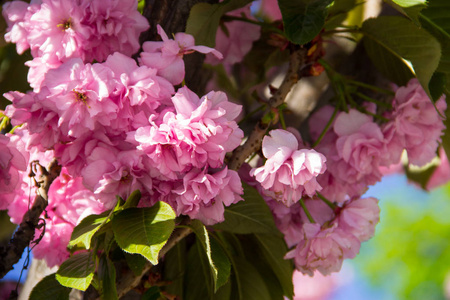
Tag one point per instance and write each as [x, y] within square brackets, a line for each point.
[327, 202]
[377, 102]
[371, 87]
[327, 127]
[310, 218]
[253, 142]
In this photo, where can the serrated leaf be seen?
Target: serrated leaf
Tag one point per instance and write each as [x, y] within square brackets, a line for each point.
[303, 19]
[415, 46]
[409, 8]
[144, 230]
[219, 264]
[274, 249]
[77, 271]
[249, 216]
[83, 232]
[387, 63]
[107, 276]
[204, 19]
[49, 288]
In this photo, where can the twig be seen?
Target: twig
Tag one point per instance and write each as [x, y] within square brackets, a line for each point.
[11, 253]
[253, 143]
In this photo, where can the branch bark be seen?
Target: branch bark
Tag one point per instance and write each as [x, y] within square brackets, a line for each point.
[253, 143]
[11, 253]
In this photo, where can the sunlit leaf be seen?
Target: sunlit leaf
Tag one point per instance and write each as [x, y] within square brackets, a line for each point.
[77, 271]
[144, 230]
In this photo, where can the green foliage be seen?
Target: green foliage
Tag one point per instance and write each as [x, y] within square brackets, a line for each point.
[219, 265]
[204, 20]
[274, 249]
[107, 276]
[49, 288]
[175, 262]
[144, 230]
[82, 234]
[136, 262]
[303, 19]
[419, 50]
[249, 216]
[409, 8]
[77, 271]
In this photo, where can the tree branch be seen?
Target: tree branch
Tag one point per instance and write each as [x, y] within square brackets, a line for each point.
[253, 143]
[11, 253]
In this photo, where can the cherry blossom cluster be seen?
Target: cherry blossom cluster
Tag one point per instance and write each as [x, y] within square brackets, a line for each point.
[118, 124]
[316, 195]
[114, 125]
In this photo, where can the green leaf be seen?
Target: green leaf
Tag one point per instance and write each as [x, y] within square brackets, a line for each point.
[409, 8]
[436, 20]
[174, 268]
[107, 276]
[49, 288]
[387, 63]
[415, 46]
[77, 271]
[133, 199]
[249, 216]
[274, 249]
[218, 261]
[303, 19]
[83, 232]
[136, 262]
[204, 20]
[421, 175]
[197, 271]
[152, 293]
[250, 283]
[144, 230]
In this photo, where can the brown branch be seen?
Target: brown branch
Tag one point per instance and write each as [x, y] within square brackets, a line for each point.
[11, 253]
[254, 140]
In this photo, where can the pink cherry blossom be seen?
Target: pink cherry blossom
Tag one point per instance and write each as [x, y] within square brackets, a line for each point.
[12, 162]
[114, 26]
[416, 124]
[271, 9]
[69, 203]
[441, 175]
[360, 147]
[203, 195]
[110, 172]
[359, 217]
[195, 133]
[233, 44]
[288, 173]
[323, 249]
[167, 56]
[17, 15]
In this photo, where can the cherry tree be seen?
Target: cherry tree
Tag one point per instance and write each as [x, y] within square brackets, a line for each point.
[164, 147]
